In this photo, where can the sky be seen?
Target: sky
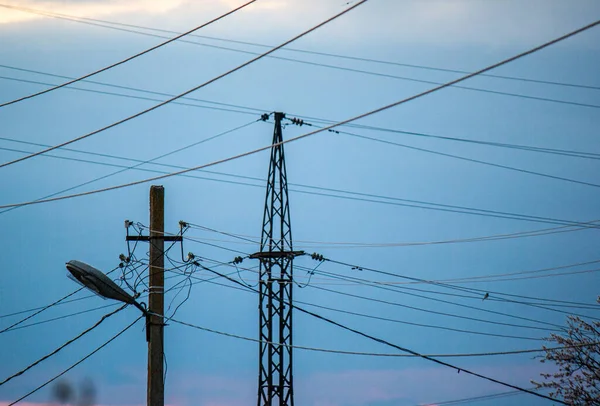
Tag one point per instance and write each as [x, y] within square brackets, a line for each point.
[373, 228]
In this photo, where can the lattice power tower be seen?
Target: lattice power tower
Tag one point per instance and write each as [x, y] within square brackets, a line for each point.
[275, 378]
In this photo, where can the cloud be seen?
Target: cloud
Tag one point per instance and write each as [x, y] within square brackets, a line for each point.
[89, 8]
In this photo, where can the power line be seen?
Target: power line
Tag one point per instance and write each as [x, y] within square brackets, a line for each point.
[39, 311]
[124, 60]
[156, 106]
[493, 237]
[42, 309]
[335, 67]
[426, 357]
[75, 364]
[474, 399]
[498, 323]
[376, 354]
[413, 280]
[45, 357]
[355, 58]
[129, 96]
[397, 289]
[380, 109]
[403, 349]
[433, 326]
[232, 108]
[137, 165]
[380, 199]
[462, 158]
[479, 292]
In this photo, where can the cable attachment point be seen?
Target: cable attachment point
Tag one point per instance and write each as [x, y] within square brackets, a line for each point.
[237, 260]
[299, 122]
[317, 257]
[183, 224]
[331, 130]
[128, 223]
[264, 117]
[357, 268]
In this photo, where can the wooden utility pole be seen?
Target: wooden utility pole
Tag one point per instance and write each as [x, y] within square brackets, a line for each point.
[156, 300]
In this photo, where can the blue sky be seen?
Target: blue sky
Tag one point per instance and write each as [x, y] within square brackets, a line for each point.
[210, 370]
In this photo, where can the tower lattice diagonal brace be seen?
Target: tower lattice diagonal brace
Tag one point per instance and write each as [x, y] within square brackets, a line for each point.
[275, 383]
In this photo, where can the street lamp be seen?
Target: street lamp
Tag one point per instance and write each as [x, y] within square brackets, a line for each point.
[99, 283]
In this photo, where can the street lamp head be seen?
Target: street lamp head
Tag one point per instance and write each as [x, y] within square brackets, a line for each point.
[95, 280]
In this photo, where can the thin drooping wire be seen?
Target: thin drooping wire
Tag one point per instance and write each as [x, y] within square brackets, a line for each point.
[137, 165]
[409, 323]
[474, 399]
[156, 106]
[124, 60]
[71, 341]
[399, 289]
[42, 309]
[369, 113]
[462, 158]
[387, 302]
[251, 111]
[304, 51]
[343, 193]
[440, 283]
[129, 96]
[520, 234]
[479, 292]
[400, 348]
[336, 67]
[200, 280]
[376, 354]
[75, 364]
[39, 311]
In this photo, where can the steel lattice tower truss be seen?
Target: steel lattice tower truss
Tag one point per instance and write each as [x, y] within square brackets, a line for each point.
[275, 380]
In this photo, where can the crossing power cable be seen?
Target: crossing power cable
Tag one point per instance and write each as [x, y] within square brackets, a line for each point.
[368, 316]
[304, 51]
[228, 276]
[77, 363]
[124, 60]
[442, 284]
[71, 341]
[399, 289]
[343, 195]
[299, 137]
[474, 399]
[493, 237]
[376, 354]
[156, 106]
[463, 158]
[129, 96]
[232, 108]
[478, 292]
[338, 193]
[335, 67]
[42, 309]
[138, 164]
[400, 348]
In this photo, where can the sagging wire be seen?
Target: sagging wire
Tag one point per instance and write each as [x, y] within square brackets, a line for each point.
[316, 257]
[238, 260]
